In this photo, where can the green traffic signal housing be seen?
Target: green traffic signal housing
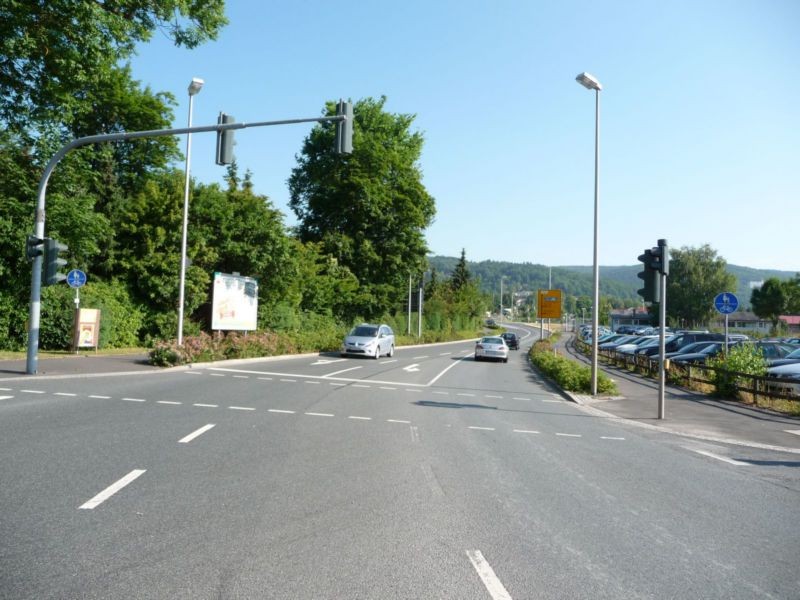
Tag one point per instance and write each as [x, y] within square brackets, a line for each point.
[52, 262]
[651, 292]
[34, 247]
[225, 140]
[344, 128]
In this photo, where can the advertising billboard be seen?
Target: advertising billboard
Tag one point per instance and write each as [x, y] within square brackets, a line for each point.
[234, 303]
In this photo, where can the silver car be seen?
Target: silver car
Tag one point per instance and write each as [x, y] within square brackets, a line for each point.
[369, 340]
[494, 348]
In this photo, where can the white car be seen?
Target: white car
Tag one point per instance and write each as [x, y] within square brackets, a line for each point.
[369, 340]
[493, 348]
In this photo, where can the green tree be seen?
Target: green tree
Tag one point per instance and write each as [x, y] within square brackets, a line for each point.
[367, 209]
[696, 275]
[792, 288]
[54, 53]
[461, 275]
[771, 301]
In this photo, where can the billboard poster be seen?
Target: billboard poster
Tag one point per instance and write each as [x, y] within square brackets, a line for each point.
[234, 303]
[87, 328]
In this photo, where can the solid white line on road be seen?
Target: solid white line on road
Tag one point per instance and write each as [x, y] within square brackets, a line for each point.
[112, 489]
[65, 394]
[195, 434]
[418, 357]
[134, 400]
[523, 399]
[731, 461]
[240, 408]
[794, 431]
[360, 418]
[340, 379]
[607, 437]
[481, 428]
[525, 431]
[283, 412]
[289, 380]
[569, 434]
[397, 421]
[316, 414]
[206, 405]
[167, 402]
[32, 391]
[101, 397]
[446, 369]
[493, 585]
[342, 371]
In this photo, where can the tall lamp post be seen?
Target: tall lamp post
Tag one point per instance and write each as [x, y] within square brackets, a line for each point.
[590, 83]
[194, 87]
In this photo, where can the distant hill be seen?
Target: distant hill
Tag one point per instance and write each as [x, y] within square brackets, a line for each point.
[620, 282]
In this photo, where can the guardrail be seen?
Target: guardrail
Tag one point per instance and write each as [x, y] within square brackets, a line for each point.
[772, 392]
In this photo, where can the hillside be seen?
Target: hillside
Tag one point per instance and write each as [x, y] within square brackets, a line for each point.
[620, 281]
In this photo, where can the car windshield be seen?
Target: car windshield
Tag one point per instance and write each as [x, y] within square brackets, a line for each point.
[364, 331]
[793, 354]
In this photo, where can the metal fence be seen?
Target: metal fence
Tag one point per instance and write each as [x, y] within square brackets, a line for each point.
[772, 392]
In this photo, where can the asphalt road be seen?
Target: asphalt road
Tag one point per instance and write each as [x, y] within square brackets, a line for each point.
[427, 475]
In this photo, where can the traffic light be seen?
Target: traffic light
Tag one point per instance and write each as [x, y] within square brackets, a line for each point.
[34, 247]
[52, 263]
[225, 140]
[664, 254]
[344, 128]
[651, 292]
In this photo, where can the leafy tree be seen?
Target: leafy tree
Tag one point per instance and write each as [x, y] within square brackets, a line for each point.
[368, 209]
[696, 276]
[54, 53]
[771, 301]
[792, 288]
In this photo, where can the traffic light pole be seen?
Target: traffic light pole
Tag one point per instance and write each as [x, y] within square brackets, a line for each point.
[34, 314]
[662, 317]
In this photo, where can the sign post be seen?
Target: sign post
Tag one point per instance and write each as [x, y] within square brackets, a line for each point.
[726, 303]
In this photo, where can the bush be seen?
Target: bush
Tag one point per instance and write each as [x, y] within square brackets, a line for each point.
[746, 359]
[206, 348]
[568, 374]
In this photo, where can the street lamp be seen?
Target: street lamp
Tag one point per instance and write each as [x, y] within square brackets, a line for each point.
[194, 87]
[590, 83]
[502, 277]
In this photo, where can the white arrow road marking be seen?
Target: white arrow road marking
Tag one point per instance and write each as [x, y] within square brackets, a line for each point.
[411, 368]
[112, 489]
[327, 361]
[195, 434]
[493, 585]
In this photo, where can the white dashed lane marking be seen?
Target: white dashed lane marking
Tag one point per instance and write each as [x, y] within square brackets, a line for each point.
[172, 402]
[569, 435]
[193, 435]
[6, 397]
[206, 405]
[65, 394]
[134, 400]
[240, 408]
[32, 391]
[101, 397]
[490, 580]
[360, 418]
[112, 489]
[283, 412]
[316, 414]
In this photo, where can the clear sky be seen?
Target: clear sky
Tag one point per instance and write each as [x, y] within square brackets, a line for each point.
[699, 115]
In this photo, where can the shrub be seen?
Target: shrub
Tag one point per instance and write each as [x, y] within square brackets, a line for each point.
[746, 359]
[568, 374]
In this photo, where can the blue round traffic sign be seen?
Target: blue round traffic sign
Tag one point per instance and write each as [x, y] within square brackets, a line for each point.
[726, 303]
[76, 278]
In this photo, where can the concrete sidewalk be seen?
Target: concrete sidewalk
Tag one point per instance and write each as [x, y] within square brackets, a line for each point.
[78, 364]
[689, 413]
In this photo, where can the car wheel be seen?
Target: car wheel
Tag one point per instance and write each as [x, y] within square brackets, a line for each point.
[505, 360]
[377, 354]
[391, 351]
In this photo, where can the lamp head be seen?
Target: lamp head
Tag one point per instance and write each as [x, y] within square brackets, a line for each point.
[589, 82]
[195, 86]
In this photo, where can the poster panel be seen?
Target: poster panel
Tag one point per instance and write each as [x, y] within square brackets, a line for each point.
[234, 303]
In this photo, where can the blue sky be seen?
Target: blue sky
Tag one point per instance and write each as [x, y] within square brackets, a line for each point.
[700, 115]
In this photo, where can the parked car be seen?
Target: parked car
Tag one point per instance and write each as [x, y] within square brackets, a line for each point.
[770, 349]
[641, 340]
[694, 347]
[643, 330]
[493, 348]
[369, 340]
[512, 341]
[788, 373]
[791, 358]
[626, 329]
[680, 340]
[611, 345]
[701, 356]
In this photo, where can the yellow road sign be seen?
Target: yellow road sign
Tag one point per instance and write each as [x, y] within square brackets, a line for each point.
[549, 304]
